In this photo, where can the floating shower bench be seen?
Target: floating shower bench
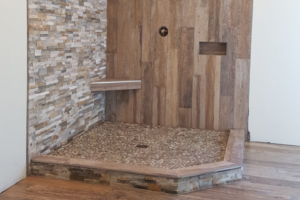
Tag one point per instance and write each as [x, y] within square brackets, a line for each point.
[115, 84]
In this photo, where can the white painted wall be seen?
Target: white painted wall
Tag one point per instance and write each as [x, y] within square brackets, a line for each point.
[275, 72]
[13, 91]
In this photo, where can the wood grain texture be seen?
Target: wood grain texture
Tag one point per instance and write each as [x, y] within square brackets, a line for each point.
[112, 26]
[186, 64]
[161, 43]
[101, 165]
[272, 165]
[263, 159]
[115, 84]
[180, 87]
[204, 169]
[110, 106]
[172, 97]
[241, 95]
[147, 89]
[235, 147]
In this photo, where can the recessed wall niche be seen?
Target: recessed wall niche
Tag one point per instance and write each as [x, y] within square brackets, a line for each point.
[212, 48]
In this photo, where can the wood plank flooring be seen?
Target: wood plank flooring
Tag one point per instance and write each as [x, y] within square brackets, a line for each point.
[271, 172]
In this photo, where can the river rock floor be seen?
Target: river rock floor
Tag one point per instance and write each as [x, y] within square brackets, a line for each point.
[156, 146]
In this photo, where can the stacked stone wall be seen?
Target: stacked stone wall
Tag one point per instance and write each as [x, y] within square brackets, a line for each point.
[67, 50]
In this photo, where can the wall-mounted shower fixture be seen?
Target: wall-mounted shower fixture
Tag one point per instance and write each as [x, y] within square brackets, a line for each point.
[163, 31]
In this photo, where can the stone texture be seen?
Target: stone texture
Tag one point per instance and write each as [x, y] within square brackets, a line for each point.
[67, 45]
[167, 147]
[159, 184]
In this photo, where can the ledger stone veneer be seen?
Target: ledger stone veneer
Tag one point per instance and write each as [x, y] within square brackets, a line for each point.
[67, 45]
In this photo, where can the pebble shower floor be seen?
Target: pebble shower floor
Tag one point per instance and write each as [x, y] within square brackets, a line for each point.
[156, 146]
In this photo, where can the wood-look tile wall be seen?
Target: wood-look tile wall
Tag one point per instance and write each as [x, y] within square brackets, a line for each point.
[180, 87]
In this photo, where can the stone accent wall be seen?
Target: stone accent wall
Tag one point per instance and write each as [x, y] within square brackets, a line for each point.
[67, 45]
[159, 184]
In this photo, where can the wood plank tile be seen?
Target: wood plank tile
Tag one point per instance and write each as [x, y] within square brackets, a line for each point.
[215, 20]
[188, 13]
[159, 106]
[172, 89]
[110, 106]
[137, 61]
[227, 81]
[135, 169]
[110, 63]
[186, 62]
[228, 63]
[217, 92]
[275, 159]
[196, 102]
[42, 188]
[147, 92]
[130, 107]
[138, 18]
[155, 102]
[272, 175]
[242, 192]
[210, 94]
[235, 147]
[271, 164]
[176, 21]
[215, 195]
[266, 190]
[276, 148]
[201, 35]
[137, 106]
[225, 118]
[125, 28]
[241, 95]
[148, 36]
[244, 24]
[49, 189]
[161, 43]
[203, 99]
[110, 96]
[203, 169]
[112, 26]
[122, 104]
[162, 107]
[185, 117]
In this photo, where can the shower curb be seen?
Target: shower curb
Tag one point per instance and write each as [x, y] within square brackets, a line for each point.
[178, 181]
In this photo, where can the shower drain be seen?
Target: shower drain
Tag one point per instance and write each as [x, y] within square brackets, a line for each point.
[142, 146]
